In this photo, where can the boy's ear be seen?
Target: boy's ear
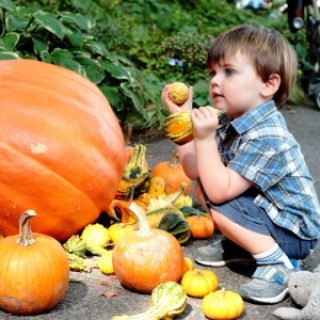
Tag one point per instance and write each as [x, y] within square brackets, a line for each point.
[271, 86]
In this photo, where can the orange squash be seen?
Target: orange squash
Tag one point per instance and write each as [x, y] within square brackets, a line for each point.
[34, 271]
[201, 227]
[172, 173]
[145, 258]
[62, 148]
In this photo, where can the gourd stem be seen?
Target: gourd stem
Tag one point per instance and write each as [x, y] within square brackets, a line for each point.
[145, 229]
[25, 237]
[174, 158]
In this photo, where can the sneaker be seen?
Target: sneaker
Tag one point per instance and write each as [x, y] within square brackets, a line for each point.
[269, 283]
[221, 253]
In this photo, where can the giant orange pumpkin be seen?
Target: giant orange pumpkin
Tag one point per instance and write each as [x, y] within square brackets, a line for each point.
[62, 148]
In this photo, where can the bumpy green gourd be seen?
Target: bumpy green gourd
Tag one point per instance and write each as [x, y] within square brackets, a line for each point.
[75, 246]
[167, 300]
[96, 237]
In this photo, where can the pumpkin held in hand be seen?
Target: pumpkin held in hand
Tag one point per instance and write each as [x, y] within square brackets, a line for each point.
[34, 271]
[145, 258]
[62, 148]
[178, 93]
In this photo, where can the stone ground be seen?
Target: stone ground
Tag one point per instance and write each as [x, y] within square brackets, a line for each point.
[84, 299]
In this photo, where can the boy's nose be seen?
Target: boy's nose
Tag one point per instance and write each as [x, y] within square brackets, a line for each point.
[214, 80]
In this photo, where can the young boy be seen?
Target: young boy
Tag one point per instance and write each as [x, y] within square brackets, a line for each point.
[249, 169]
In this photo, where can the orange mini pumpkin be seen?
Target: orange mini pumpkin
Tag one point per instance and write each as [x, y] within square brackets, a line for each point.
[34, 271]
[172, 173]
[62, 148]
[201, 227]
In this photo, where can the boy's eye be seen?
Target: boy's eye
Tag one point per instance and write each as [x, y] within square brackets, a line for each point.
[212, 73]
[229, 72]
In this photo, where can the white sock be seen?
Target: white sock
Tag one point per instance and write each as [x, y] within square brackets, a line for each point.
[275, 253]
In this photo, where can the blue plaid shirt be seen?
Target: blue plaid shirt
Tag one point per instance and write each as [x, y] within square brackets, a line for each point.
[259, 146]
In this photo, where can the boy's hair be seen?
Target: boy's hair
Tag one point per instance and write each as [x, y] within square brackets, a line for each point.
[267, 49]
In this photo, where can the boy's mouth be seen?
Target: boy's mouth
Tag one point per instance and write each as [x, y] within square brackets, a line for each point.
[217, 95]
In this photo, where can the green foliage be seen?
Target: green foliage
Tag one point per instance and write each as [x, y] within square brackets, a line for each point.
[124, 46]
[188, 52]
[70, 40]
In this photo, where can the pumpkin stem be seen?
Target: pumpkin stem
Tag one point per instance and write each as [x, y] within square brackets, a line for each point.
[145, 229]
[174, 158]
[25, 237]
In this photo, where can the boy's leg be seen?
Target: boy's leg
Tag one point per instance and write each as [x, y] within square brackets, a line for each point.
[249, 227]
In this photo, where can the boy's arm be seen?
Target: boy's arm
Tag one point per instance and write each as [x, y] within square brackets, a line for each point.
[186, 152]
[220, 182]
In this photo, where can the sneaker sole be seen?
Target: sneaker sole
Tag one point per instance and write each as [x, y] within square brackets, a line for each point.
[223, 263]
[269, 300]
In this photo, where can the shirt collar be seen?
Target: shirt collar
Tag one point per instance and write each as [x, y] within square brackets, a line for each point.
[254, 116]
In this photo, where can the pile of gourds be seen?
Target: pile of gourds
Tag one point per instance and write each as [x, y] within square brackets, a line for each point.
[163, 192]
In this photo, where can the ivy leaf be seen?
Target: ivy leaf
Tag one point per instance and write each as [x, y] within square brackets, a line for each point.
[93, 69]
[116, 71]
[7, 4]
[78, 20]
[15, 24]
[50, 23]
[10, 40]
[39, 45]
[75, 38]
[136, 99]
[7, 55]
[97, 47]
[45, 56]
[113, 96]
[64, 58]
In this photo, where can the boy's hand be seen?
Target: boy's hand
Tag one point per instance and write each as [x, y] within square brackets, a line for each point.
[205, 121]
[172, 107]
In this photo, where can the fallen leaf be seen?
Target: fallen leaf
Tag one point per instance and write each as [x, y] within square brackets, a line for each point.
[109, 294]
[105, 283]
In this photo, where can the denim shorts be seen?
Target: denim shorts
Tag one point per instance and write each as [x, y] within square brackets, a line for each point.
[243, 211]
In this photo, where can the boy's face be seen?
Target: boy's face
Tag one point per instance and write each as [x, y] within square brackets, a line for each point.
[235, 85]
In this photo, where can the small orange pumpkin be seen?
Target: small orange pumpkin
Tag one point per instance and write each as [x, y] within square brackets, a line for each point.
[145, 258]
[198, 283]
[172, 173]
[34, 271]
[201, 227]
[222, 305]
